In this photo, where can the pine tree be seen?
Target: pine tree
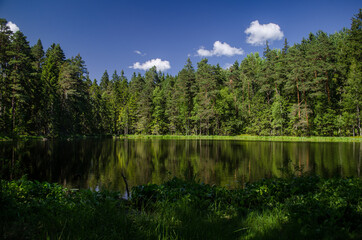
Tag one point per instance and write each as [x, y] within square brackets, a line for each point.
[352, 96]
[297, 89]
[73, 92]
[352, 101]
[21, 85]
[5, 93]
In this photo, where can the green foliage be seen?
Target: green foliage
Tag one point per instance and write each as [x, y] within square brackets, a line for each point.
[310, 88]
[297, 208]
[279, 111]
[33, 210]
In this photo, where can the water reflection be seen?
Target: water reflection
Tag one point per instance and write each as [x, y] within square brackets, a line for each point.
[100, 163]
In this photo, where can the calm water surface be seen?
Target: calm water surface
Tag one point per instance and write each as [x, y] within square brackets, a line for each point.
[100, 163]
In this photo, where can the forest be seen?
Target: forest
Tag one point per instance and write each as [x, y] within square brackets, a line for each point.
[311, 88]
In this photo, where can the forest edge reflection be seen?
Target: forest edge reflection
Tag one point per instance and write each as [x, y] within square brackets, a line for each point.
[99, 163]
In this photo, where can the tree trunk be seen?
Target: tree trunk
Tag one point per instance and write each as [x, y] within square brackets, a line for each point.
[249, 97]
[306, 109]
[327, 88]
[13, 111]
[359, 160]
[276, 89]
[298, 99]
[359, 121]
[236, 107]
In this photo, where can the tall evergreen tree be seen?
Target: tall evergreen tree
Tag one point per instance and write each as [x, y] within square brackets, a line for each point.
[104, 81]
[207, 78]
[352, 97]
[22, 90]
[185, 90]
[145, 101]
[50, 98]
[5, 94]
[38, 55]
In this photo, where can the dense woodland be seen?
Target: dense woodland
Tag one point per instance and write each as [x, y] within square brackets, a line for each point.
[311, 88]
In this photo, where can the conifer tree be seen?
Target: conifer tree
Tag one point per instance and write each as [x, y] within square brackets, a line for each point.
[50, 98]
[104, 81]
[5, 94]
[21, 87]
[184, 93]
[38, 55]
[145, 101]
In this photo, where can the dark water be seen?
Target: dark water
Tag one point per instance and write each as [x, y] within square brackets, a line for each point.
[99, 163]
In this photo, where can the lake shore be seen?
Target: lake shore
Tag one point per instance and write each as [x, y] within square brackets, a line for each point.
[248, 138]
[195, 137]
[292, 208]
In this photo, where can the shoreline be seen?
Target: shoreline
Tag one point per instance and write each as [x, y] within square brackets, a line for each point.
[247, 138]
[192, 137]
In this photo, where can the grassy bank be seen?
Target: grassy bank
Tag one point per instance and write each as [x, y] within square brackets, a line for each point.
[250, 138]
[293, 208]
[190, 137]
[61, 137]
[20, 137]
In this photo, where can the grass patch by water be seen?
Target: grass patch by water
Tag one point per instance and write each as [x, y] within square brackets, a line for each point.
[58, 137]
[193, 137]
[248, 138]
[294, 208]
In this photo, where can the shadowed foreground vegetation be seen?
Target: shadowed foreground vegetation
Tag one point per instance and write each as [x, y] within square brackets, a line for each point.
[291, 208]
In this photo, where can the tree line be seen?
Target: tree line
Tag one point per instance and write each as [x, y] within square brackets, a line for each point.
[311, 88]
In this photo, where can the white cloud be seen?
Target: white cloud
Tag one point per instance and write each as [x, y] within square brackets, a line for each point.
[140, 53]
[228, 65]
[260, 33]
[13, 27]
[220, 49]
[160, 65]
[202, 52]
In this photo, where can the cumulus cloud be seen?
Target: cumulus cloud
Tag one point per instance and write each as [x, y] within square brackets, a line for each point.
[13, 27]
[158, 63]
[227, 65]
[260, 33]
[220, 49]
[140, 53]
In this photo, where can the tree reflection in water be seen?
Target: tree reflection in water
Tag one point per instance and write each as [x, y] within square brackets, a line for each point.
[99, 163]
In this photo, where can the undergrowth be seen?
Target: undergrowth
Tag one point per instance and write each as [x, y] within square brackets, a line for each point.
[292, 208]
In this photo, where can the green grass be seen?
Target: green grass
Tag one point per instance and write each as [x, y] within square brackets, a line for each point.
[62, 137]
[306, 207]
[197, 137]
[249, 138]
[20, 137]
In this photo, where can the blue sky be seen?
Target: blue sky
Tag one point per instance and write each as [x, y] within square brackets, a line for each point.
[107, 33]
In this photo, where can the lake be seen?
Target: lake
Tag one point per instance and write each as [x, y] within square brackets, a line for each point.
[99, 163]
